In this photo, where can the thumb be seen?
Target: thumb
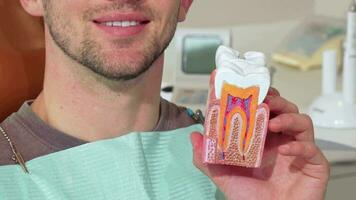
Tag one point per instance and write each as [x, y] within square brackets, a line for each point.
[197, 143]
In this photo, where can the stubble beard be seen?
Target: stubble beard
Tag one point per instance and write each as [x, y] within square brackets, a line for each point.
[90, 55]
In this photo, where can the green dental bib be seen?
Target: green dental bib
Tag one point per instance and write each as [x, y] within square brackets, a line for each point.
[149, 165]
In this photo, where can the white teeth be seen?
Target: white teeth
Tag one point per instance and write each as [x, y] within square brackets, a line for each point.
[242, 72]
[121, 23]
[117, 23]
[125, 24]
[108, 24]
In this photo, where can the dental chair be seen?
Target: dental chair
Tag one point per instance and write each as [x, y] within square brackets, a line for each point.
[21, 57]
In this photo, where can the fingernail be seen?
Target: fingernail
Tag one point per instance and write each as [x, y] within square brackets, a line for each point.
[273, 91]
[268, 99]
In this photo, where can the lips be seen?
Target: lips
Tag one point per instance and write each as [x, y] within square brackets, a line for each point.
[122, 24]
[122, 17]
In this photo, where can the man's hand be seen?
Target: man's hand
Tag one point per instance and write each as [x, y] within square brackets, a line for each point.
[293, 167]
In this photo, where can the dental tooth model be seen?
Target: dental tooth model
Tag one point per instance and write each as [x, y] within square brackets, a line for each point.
[236, 119]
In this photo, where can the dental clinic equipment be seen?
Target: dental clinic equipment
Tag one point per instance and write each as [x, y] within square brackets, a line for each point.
[332, 109]
[349, 83]
[192, 54]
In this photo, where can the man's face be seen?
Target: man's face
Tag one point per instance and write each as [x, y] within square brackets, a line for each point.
[118, 39]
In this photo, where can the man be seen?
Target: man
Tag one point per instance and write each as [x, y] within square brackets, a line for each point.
[104, 61]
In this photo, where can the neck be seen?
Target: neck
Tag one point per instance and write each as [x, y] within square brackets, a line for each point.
[79, 103]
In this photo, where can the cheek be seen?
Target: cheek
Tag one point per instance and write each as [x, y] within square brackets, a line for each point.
[66, 22]
[71, 11]
[73, 6]
[167, 14]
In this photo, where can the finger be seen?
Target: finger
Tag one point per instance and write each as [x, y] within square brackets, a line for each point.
[306, 150]
[279, 105]
[197, 143]
[298, 125]
[273, 92]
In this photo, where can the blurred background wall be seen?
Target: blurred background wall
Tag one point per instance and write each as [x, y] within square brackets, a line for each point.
[212, 13]
[21, 56]
[332, 8]
[254, 20]
[251, 22]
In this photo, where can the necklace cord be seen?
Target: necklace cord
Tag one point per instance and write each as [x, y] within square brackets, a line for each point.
[17, 157]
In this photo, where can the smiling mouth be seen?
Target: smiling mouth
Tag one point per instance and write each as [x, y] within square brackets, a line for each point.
[122, 24]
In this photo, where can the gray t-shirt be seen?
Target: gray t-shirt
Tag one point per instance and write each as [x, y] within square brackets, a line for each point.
[33, 138]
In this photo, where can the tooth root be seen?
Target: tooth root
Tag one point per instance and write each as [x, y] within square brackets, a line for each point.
[239, 101]
[241, 126]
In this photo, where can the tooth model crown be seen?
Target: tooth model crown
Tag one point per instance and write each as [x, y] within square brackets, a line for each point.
[237, 118]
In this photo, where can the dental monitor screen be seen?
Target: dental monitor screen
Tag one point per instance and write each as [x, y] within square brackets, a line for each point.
[199, 53]
[193, 55]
